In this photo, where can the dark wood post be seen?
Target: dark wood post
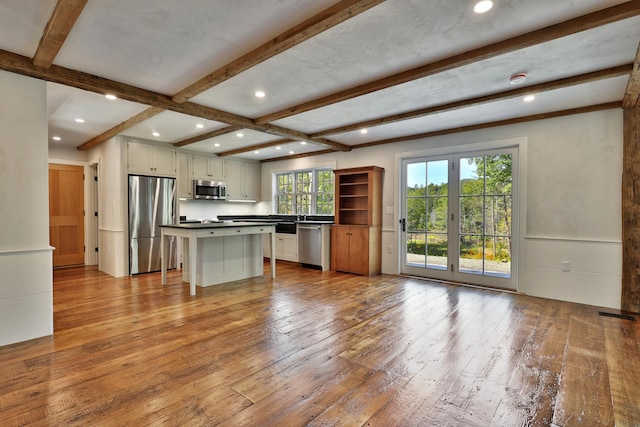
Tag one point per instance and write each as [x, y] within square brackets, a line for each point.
[631, 211]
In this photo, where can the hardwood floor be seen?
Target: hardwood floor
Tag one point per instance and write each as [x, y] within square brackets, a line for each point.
[319, 349]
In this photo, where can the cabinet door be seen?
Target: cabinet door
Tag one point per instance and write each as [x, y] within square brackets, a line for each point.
[359, 250]
[216, 168]
[290, 248]
[200, 166]
[252, 181]
[235, 180]
[185, 177]
[139, 157]
[340, 248]
[164, 160]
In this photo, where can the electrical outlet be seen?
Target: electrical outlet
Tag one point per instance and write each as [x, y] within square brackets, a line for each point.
[389, 249]
[566, 265]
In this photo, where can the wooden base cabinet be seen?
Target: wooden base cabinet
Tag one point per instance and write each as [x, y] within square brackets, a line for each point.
[356, 249]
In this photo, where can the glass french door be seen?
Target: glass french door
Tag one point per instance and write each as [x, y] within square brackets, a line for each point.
[457, 217]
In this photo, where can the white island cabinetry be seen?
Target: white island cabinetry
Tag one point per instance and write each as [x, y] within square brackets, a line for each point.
[218, 253]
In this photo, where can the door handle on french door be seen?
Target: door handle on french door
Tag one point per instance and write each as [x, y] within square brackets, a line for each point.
[403, 221]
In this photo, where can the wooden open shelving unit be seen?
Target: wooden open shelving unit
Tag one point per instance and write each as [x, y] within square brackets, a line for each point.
[357, 233]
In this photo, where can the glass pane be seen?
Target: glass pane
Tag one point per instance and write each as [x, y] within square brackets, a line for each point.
[497, 254]
[437, 250]
[497, 173]
[285, 205]
[416, 214]
[416, 249]
[437, 214]
[303, 204]
[471, 253]
[471, 214]
[471, 182]
[438, 177]
[416, 179]
[498, 215]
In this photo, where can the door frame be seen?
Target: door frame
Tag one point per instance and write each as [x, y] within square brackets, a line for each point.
[455, 145]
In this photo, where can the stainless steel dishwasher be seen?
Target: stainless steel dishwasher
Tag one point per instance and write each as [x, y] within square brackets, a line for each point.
[310, 245]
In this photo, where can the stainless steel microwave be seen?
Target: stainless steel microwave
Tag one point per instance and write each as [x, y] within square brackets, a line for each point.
[212, 190]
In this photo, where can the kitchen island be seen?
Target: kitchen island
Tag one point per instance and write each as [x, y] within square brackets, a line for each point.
[219, 252]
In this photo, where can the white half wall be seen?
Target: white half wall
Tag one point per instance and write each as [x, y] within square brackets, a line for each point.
[26, 283]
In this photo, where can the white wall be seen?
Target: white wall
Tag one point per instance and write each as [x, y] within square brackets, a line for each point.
[112, 206]
[572, 205]
[26, 283]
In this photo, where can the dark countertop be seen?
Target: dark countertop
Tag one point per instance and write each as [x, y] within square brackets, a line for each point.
[218, 224]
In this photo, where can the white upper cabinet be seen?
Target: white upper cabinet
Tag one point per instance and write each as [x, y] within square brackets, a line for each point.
[243, 180]
[208, 168]
[185, 176]
[151, 159]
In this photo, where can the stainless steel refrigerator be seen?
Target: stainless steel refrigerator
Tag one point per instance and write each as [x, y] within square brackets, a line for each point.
[152, 201]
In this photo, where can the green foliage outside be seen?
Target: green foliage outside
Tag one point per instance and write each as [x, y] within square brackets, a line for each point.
[485, 212]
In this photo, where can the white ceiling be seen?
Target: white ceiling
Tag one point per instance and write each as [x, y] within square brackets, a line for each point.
[165, 45]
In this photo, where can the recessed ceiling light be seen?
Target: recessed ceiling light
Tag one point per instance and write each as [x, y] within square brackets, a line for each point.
[110, 96]
[363, 131]
[256, 152]
[529, 98]
[79, 120]
[518, 78]
[278, 148]
[291, 152]
[483, 6]
[259, 94]
[56, 138]
[239, 134]
[303, 142]
[216, 145]
[156, 134]
[199, 125]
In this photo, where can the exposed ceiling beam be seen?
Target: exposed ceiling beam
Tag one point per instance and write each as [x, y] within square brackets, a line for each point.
[306, 30]
[632, 94]
[255, 147]
[58, 28]
[563, 29]
[22, 65]
[105, 136]
[500, 96]
[542, 116]
[297, 156]
[208, 135]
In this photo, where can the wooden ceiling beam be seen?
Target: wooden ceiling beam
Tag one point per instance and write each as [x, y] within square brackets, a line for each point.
[19, 64]
[62, 20]
[535, 117]
[306, 30]
[552, 32]
[632, 93]
[132, 121]
[254, 147]
[207, 135]
[297, 156]
[469, 102]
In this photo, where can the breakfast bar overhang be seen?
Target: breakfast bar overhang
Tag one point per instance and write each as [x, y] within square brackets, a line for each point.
[219, 252]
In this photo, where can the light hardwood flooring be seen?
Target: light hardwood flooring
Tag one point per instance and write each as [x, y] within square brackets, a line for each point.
[318, 348]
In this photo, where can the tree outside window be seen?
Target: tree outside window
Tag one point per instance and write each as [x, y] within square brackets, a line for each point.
[305, 192]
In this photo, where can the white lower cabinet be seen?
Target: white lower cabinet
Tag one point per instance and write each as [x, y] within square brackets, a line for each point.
[286, 247]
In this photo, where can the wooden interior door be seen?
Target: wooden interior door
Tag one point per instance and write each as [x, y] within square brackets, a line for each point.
[66, 214]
